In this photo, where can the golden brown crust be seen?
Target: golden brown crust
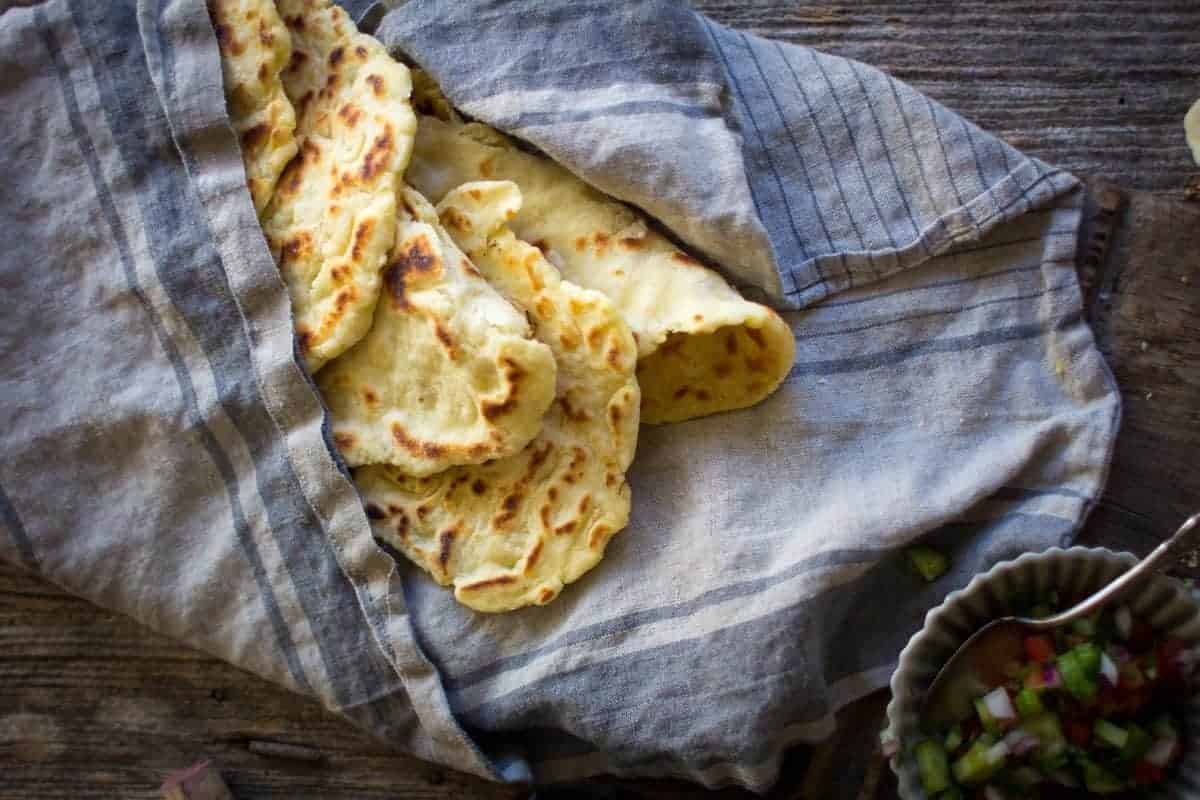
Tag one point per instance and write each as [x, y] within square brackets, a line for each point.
[255, 47]
[330, 223]
[667, 296]
[539, 519]
[448, 374]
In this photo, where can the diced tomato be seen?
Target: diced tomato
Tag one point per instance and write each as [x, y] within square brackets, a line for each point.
[972, 729]
[1168, 663]
[1080, 733]
[1039, 649]
[1122, 702]
[1106, 700]
[1141, 638]
[1131, 676]
[1145, 772]
[1133, 700]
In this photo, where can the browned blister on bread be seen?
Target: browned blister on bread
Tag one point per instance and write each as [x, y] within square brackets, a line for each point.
[331, 222]
[449, 372]
[255, 47]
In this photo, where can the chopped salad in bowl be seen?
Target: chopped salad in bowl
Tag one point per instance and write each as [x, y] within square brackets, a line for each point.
[1100, 707]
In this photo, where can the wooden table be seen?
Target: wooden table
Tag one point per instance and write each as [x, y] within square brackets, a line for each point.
[94, 706]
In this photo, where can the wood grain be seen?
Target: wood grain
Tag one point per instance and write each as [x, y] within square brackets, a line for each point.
[94, 706]
[1098, 87]
[1145, 310]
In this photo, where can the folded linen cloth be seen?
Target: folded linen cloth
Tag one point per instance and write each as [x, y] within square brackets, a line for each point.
[167, 457]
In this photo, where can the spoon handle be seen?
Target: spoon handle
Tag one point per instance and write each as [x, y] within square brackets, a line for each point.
[1187, 537]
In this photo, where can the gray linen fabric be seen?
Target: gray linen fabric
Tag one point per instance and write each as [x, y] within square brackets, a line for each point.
[165, 456]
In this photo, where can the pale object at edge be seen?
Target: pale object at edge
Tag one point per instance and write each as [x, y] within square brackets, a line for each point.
[1191, 128]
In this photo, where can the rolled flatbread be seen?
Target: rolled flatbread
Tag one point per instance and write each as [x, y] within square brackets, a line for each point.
[703, 348]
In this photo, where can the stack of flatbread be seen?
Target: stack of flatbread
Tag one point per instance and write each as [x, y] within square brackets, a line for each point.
[486, 329]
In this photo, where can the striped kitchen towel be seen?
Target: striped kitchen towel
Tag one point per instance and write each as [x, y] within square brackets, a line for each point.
[167, 457]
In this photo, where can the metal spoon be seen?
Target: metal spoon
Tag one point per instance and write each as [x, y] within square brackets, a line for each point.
[979, 663]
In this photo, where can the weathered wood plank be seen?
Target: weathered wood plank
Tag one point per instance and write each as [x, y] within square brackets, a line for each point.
[1145, 311]
[94, 706]
[1098, 87]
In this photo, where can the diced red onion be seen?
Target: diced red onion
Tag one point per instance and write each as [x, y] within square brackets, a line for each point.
[996, 754]
[999, 705]
[1108, 670]
[1019, 742]
[1187, 660]
[992, 793]
[1161, 751]
[1123, 619]
[1120, 654]
[1026, 745]
[888, 743]
[1052, 677]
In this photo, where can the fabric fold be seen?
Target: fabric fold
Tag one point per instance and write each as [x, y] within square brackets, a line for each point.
[167, 456]
[180, 52]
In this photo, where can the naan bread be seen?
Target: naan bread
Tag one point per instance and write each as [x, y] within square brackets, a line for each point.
[512, 532]
[331, 222]
[703, 348]
[449, 372]
[255, 46]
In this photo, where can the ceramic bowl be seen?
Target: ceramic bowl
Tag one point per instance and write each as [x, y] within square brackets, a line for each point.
[1165, 603]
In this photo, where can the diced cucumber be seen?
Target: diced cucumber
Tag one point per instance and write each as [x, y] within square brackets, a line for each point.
[975, 766]
[1055, 762]
[1029, 703]
[1137, 745]
[1098, 780]
[1085, 626]
[929, 563]
[1110, 734]
[933, 766]
[1026, 776]
[1079, 667]
[1164, 728]
[954, 739]
[1048, 731]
